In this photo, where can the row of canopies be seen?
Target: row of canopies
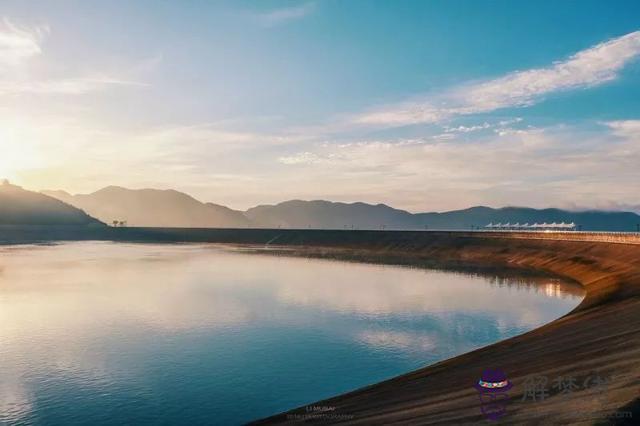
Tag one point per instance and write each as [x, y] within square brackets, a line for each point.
[562, 226]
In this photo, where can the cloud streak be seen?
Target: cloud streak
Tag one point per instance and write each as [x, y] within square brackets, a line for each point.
[285, 15]
[71, 86]
[538, 167]
[18, 45]
[590, 67]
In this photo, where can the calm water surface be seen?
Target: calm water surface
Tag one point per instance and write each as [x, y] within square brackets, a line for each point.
[105, 333]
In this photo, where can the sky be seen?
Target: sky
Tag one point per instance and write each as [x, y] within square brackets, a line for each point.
[422, 105]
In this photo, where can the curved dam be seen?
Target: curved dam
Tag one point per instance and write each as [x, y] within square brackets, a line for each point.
[599, 339]
[598, 343]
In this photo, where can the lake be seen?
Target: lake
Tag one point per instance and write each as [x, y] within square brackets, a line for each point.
[108, 333]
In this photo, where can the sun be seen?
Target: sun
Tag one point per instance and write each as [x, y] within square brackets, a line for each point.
[17, 151]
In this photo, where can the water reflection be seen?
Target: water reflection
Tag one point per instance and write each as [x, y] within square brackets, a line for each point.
[115, 333]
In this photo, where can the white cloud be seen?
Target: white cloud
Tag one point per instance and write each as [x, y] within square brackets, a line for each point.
[504, 123]
[17, 45]
[444, 136]
[284, 15]
[589, 67]
[300, 158]
[593, 66]
[467, 129]
[308, 158]
[629, 129]
[538, 167]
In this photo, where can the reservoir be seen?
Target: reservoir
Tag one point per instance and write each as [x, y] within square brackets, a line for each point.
[112, 333]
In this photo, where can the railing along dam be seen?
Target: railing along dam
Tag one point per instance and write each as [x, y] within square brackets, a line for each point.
[608, 237]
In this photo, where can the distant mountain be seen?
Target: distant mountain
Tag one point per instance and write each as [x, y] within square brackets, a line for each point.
[169, 208]
[329, 215]
[22, 207]
[153, 207]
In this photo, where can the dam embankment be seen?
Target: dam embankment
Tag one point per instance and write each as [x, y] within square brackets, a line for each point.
[599, 340]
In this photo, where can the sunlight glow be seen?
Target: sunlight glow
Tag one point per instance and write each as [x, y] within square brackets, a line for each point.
[17, 151]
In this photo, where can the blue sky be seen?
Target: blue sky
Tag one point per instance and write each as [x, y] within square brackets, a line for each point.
[424, 105]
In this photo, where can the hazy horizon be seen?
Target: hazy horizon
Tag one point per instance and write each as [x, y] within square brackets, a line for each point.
[423, 106]
[370, 202]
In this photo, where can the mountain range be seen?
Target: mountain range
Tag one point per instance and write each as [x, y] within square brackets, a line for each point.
[153, 207]
[21, 207]
[170, 208]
